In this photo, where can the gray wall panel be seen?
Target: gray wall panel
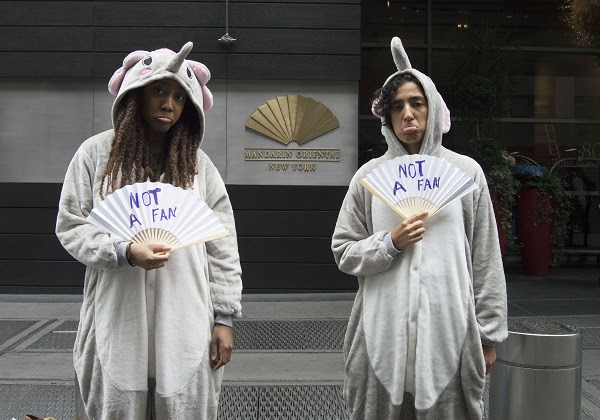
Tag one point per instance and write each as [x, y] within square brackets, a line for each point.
[285, 250]
[135, 38]
[301, 261]
[45, 64]
[28, 220]
[102, 106]
[296, 277]
[295, 41]
[22, 275]
[45, 121]
[276, 197]
[44, 38]
[306, 40]
[277, 15]
[294, 67]
[34, 195]
[248, 40]
[39, 247]
[184, 13]
[291, 223]
[64, 13]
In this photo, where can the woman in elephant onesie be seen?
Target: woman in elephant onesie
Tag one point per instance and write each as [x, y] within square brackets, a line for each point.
[431, 301]
[155, 327]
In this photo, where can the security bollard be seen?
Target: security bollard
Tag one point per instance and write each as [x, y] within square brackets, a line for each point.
[537, 374]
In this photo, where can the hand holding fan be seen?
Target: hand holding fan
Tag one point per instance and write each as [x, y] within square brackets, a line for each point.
[413, 183]
[158, 213]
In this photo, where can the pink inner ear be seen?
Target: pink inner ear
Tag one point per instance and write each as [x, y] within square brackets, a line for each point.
[445, 116]
[132, 59]
[200, 70]
[207, 98]
[115, 81]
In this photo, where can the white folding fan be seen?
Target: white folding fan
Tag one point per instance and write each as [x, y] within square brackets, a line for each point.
[413, 183]
[158, 213]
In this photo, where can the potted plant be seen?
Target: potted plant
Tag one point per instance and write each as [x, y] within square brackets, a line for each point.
[543, 212]
[495, 162]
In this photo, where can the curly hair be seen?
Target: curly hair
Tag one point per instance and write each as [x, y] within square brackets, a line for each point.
[130, 160]
[383, 98]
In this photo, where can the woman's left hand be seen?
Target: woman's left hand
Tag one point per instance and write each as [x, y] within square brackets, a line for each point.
[489, 354]
[221, 346]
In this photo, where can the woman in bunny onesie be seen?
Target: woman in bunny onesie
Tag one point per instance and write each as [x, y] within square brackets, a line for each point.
[431, 301]
[155, 328]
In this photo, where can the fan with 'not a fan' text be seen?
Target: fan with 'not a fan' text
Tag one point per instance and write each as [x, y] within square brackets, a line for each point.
[413, 183]
[157, 213]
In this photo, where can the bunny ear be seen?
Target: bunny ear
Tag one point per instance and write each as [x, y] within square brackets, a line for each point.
[400, 58]
[445, 116]
[117, 78]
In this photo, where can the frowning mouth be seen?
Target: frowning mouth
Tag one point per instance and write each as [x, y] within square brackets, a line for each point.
[166, 120]
[409, 129]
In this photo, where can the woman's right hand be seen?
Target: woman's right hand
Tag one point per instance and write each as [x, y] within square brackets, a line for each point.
[409, 231]
[148, 256]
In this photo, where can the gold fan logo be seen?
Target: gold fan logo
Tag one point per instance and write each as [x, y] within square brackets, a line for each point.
[292, 118]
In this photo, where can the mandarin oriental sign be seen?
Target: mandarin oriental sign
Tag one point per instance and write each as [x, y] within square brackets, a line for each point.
[332, 155]
[292, 118]
[289, 132]
[302, 160]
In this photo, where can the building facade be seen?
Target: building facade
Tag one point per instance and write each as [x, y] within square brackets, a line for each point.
[57, 56]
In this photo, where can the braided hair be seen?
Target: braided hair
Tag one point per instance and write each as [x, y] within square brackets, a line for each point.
[130, 160]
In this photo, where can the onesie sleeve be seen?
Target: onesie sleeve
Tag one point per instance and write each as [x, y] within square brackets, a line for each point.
[489, 284]
[87, 243]
[356, 251]
[225, 273]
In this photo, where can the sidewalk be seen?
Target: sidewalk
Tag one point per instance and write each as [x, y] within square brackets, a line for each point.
[288, 361]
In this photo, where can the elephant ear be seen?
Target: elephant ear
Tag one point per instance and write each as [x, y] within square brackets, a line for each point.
[114, 84]
[200, 70]
[203, 75]
[399, 54]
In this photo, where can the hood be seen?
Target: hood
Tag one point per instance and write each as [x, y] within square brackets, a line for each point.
[438, 119]
[143, 67]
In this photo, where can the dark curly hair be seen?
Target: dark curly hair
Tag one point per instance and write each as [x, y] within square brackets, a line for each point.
[384, 97]
[130, 161]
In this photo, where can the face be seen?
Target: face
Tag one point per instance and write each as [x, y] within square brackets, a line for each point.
[409, 116]
[162, 105]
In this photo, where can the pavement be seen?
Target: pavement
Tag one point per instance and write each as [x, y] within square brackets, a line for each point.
[288, 361]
